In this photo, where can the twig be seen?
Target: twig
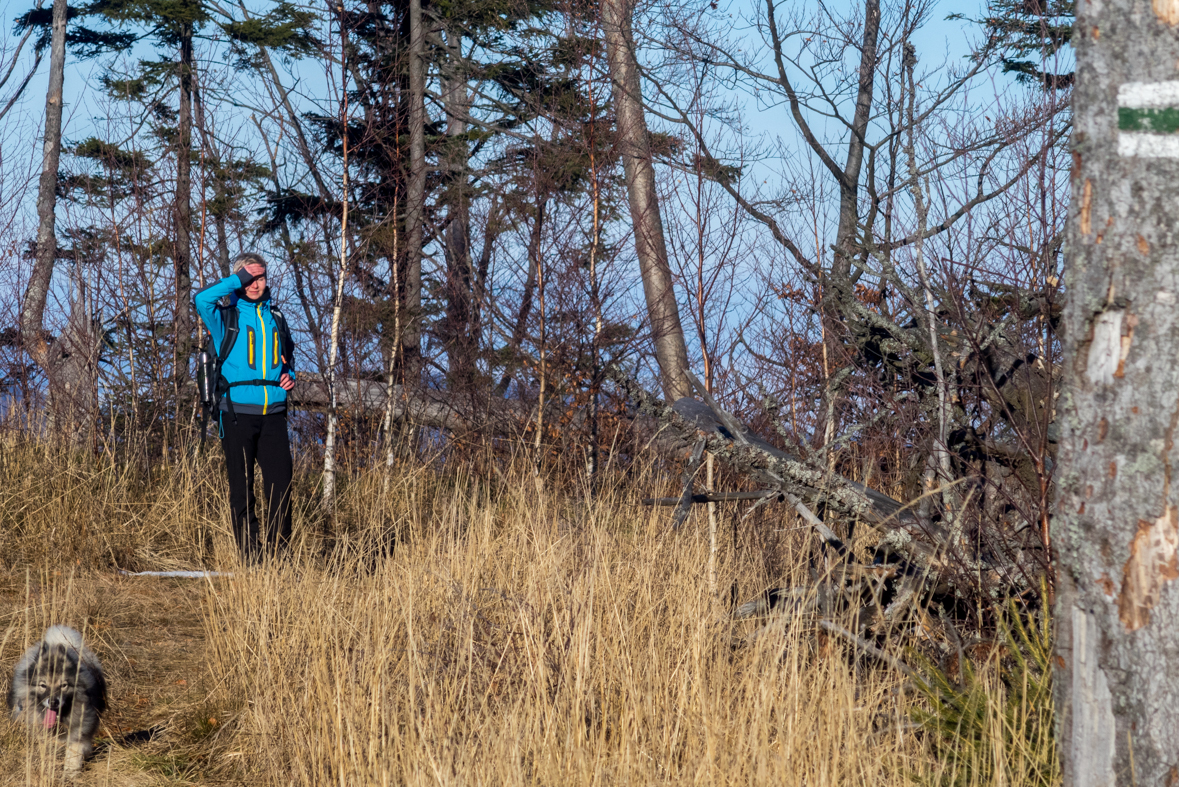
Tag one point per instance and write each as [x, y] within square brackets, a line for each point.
[867, 647]
[713, 497]
[684, 506]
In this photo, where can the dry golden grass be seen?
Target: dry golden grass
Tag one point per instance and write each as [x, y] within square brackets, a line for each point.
[149, 636]
[452, 632]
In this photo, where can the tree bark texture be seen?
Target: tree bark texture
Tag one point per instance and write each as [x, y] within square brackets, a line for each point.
[849, 188]
[183, 214]
[456, 328]
[1116, 527]
[32, 313]
[70, 361]
[525, 309]
[635, 148]
[415, 193]
[74, 394]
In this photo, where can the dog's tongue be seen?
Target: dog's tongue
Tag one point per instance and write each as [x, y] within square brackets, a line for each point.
[50, 718]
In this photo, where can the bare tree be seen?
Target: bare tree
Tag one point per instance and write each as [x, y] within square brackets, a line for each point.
[1116, 526]
[13, 59]
[67, 361]
[329, 443]
[912, 258]
[32, 315]
[460, 279]
[182, 237]
[634, 146]
[415, 194]
[704, 230]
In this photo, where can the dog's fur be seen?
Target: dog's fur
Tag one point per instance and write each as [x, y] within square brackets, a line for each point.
[58, 686]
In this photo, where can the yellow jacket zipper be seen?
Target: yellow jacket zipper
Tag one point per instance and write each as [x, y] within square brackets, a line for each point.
[265, 392]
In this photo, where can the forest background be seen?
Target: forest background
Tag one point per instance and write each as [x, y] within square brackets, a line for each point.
[496, 227]
[528, 253]
[854, 243]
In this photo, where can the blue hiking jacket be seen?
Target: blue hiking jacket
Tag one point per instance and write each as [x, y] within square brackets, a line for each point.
[257, 353]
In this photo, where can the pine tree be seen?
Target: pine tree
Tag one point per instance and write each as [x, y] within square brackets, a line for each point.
[1033, 36]
[173, 27]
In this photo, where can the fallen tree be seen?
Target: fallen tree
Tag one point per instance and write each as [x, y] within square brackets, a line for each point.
[913, 555]
[435, 408]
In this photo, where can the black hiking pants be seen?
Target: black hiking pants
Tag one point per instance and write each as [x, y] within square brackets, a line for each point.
[261, 438]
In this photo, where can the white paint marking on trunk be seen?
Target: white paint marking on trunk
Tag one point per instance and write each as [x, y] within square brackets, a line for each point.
[1149, 95]
[1137, 143]
[1106, 348]
[1094, 727]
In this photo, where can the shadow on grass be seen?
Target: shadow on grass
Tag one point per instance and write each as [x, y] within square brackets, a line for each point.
[136, 738]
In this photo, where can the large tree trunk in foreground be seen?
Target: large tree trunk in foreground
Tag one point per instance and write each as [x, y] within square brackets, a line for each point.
[1116, 528]
[635, 148]
[32, 313]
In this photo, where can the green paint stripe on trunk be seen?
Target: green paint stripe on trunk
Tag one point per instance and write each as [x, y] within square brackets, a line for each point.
[1160, 121]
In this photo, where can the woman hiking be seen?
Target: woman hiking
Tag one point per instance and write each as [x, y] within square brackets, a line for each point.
[256, 373]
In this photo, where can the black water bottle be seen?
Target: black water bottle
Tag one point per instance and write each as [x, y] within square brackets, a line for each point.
[206, 376]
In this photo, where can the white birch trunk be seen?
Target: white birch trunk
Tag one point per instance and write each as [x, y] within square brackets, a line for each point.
[329, 443]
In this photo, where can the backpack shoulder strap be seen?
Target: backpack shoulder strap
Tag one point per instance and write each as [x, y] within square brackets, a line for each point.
[229, 320]
[288, 344]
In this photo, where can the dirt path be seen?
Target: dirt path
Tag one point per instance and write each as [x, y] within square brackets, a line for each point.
[149, 635]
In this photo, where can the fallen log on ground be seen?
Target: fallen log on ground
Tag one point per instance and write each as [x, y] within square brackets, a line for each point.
[679, 427]
[429, 407]
[913, 557]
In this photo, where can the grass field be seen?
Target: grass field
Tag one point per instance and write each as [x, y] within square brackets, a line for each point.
[456, 631]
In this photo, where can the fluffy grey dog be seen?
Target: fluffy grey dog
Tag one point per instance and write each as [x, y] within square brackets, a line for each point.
[58, 686]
